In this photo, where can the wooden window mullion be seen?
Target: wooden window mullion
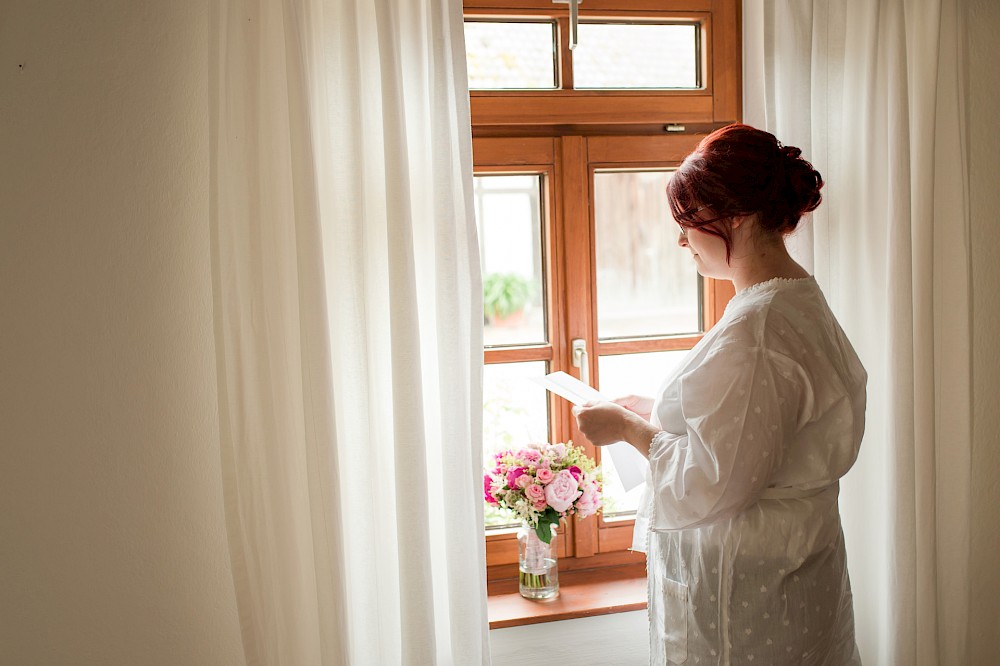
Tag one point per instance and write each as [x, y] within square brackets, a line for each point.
[578, 250]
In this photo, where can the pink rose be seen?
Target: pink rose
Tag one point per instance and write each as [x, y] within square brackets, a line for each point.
[562, 491]
[557, 451]
[530, 456]
[523, 481]
[544, 475]
[589, 501]
[534, 492]
[512, 476]
[575, 471]
[540, 505]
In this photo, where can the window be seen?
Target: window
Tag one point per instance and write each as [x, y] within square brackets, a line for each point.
[572, 150]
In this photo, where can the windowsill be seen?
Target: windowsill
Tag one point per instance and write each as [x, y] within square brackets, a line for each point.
[582, 593]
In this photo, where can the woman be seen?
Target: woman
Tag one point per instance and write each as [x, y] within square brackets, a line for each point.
[747, 441]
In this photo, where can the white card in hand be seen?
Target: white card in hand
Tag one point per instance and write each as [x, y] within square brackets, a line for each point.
[569, 387]
[629, 463]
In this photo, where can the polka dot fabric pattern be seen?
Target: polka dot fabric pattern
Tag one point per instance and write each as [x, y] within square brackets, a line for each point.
[740, 519]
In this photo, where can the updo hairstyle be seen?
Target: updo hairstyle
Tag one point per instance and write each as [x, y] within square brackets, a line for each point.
[736, 171]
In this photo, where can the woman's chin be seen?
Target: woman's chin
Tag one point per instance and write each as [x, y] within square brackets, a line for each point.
[715, 275]
[706, 271]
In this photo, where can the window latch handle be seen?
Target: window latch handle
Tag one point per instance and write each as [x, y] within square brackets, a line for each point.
[574, 19]
[581, 360]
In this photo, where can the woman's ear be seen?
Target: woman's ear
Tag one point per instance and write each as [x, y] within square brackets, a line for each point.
[740, 220]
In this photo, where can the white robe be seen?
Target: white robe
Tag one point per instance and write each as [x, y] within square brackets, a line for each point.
[746, 560]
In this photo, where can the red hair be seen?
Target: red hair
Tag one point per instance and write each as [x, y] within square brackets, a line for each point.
[737, 171]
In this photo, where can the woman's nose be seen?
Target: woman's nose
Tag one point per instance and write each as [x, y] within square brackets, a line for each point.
[682, 238]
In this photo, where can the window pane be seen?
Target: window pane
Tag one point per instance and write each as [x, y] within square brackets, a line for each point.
[646, 283]
[515, 413]
[620, 55]
[635, 374]
[510, 55]
[508, 212]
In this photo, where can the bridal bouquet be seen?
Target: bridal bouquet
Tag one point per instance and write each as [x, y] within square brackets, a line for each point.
[542, 483]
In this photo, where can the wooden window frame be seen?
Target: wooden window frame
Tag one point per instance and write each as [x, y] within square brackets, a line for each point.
[567, 110]
[566, 135]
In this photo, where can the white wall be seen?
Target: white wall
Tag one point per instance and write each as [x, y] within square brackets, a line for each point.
[112, 541]
[621, 639]
[984, 140]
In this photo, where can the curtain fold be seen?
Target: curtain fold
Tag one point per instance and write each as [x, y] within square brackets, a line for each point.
[874, 94]
[348, 328]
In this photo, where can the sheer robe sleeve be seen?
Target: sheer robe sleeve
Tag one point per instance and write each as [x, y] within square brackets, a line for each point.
[739, 407]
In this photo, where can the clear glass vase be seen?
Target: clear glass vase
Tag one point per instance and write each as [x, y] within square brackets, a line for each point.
[538, 564]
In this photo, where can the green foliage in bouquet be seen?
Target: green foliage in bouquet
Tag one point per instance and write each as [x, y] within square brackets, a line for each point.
[546, 522]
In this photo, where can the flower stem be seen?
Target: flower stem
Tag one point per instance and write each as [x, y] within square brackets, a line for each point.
[534, 581]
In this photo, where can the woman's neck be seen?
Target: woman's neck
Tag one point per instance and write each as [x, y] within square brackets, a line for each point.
[762, 262]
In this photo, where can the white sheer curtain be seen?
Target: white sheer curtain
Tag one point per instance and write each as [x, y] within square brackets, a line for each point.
[348, 327]
[874, 94]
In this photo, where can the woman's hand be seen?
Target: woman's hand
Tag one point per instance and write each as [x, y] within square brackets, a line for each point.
[605, 423]
[602, 423]
[637, 404]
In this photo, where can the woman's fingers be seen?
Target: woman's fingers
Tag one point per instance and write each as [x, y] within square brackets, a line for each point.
[601, 422]
[637, 404]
